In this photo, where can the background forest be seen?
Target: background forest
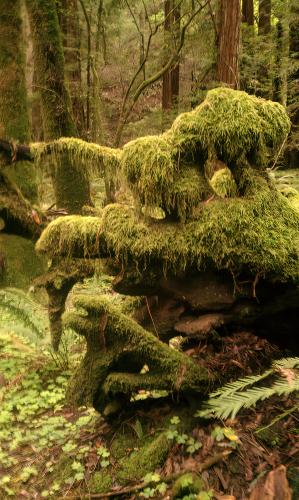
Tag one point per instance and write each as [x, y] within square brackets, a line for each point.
[97, 273]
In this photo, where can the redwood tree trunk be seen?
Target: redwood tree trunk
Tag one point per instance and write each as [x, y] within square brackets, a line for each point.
[171, 79]
[227, 70]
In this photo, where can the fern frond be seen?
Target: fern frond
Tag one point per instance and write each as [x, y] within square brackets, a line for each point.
[287, 363]
[18, 307]
[240, 384]
[227, 401]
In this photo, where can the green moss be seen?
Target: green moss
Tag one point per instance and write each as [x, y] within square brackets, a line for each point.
[14, 120]
[100, 482]
[116, 355]
[223, 183]
[257, 233]
[22, 264]
[230, 124]
[82, 155]
[24, 175]
[71, 184]
[148, 458]
[148, 168]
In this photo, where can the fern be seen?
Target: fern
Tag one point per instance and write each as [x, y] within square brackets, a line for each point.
[227, 401]
[21, 312]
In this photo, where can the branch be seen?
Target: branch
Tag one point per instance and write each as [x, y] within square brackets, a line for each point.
[155, 77]
[15, 152]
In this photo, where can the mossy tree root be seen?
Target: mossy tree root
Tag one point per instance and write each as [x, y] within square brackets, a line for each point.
[58, 282]
[117, 349]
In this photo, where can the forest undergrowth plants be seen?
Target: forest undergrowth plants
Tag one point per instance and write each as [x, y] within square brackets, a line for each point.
[36, 428]
[189, 444]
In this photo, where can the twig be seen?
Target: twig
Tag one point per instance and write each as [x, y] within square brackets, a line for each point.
[168, 479]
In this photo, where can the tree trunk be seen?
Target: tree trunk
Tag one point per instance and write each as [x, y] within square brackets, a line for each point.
[14, 124]
[14, 121]
[264, 24]
[227, 70]
[69, 22]
[248, 12]
[171, 79]
[71, 184]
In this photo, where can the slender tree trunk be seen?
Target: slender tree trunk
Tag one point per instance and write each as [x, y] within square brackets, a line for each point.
[264, 24]
[71, 183]
[69, 22]
[171, 79]
[227, 70]
[247, 12]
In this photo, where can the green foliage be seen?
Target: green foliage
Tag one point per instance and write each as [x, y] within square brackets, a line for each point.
[173, 434]
[247, 392]
[21, 311]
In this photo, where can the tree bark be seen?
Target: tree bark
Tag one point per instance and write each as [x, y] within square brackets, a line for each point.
[264, 24]
[171, 78]
[69, 22]
[227, 70]
[71, 185]
[248, 12]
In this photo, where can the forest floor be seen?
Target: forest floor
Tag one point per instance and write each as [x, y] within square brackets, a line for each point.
[49, 450]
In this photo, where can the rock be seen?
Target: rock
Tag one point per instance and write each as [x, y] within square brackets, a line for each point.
[201, 326]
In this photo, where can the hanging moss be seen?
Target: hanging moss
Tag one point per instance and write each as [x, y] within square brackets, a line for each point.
[257, 233]
[117, 348]
[149, 168]
[223, 183]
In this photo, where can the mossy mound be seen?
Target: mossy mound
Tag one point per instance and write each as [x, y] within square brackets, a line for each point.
[230, 124]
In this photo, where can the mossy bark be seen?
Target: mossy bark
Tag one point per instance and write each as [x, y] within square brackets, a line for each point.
[71, 185]
[14, 118]
[117, 349]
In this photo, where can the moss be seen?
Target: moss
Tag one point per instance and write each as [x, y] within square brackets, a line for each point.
[24, 175]
[186, 485]
[116, 354]
[148, 168]
[257, 233]
[230, 124]
[100, 482]
[148, 458]
[82, 155]
[14, 120]
[22, 264]
[224, 184]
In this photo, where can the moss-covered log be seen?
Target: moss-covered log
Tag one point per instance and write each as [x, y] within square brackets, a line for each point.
[237, 223]
[117, 349]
